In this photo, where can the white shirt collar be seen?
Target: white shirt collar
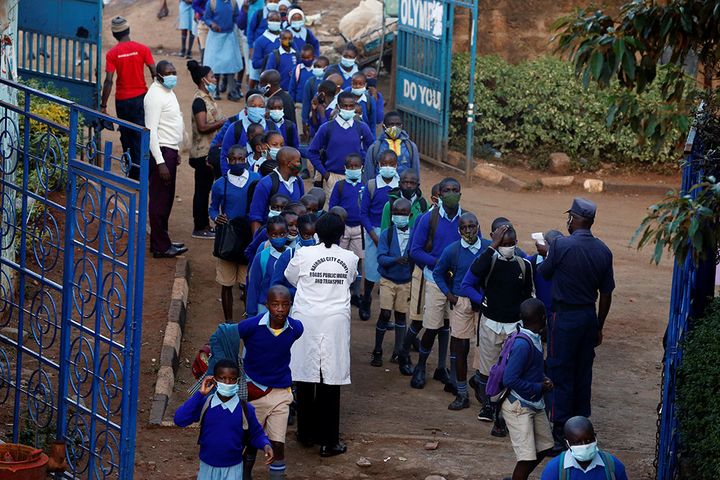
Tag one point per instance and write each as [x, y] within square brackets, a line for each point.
[349, 74]
[380, 181]
[444, 214]
[345, 124]
[246, 121]
[271, 36]
[362, 98]
[289, 184]
[265, 320]
[238, 180]
[535, 337]
[285, 52]
[474, 248]
[229, 405]
[570, 461]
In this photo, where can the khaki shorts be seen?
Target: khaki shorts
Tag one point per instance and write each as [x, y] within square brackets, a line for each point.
[203, 30]
[352, 240]
[298, 116]
[229, 274]
[437, 307]
[463, 321]
[330, 183]
[394, 296]
[490, 346]
[272, 412]
[529, 430]
[417, 294]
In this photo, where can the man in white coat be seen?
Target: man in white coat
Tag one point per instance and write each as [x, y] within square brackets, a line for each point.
[320, 359]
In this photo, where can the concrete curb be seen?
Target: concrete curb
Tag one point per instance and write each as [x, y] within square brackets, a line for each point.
[170, 351]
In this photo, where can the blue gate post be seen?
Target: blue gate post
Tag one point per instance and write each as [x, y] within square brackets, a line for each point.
[469, 141]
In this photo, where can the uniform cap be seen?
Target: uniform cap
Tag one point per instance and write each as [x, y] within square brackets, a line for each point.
[582, 207]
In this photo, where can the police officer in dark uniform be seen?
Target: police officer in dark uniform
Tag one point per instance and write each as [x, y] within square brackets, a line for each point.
[579, 266]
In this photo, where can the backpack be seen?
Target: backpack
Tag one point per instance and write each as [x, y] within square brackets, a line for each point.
[494, 260]
[375, 155]
[495, 388]
[606, 458]
[432, 228]
[246, 415]
[200, 364]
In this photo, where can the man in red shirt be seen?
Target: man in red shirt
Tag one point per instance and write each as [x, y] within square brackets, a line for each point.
[128, 59]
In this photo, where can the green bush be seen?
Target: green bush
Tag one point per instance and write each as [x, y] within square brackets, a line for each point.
[698, 387]
[541, 105]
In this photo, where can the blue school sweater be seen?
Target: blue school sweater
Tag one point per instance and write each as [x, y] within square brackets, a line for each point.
[445, 234]
[552, 471]
[318, 119]
[525, 371]
[257, 24]
[230, 139]
[258, 281]
[338, 143]
[368, 103]
[371, 207]
[347, 76]
[543, 286]
[456, 259]
[224, 16]
[278, 276]
[261, 197]
[308, 92]
[286, 67]
[234, 198]
[222, 438]
[258, 239]
[267, 357]
[298, 79]
[288, 130]
[388, 252]
[349, 200]
[263, 46]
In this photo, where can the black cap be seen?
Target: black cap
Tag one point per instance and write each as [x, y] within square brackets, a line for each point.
[582, 207]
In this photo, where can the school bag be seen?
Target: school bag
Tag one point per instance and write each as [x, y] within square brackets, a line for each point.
[232, 238]
[375, 150]
[200, 364]
[495, 388]
[606, 458]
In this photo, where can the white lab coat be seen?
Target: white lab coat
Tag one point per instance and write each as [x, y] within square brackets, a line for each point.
[322, 303]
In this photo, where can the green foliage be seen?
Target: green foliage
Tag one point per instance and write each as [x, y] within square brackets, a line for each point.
[541, 106]
[698, 386]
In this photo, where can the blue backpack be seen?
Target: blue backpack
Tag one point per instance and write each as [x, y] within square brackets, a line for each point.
[495, 388]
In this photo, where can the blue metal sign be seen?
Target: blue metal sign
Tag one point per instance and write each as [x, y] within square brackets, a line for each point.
[421, 94]
[423, 17]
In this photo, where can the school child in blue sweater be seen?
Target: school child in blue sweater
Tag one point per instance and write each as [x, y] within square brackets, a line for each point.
[262, 266]
[302, 72]
[306, 238]
[302, 35]
[374, 198]
[284, 179]
[284, 59]
[347, 66]
[338, 138]
[434, 231]
[311, 203]
[257, 22]
[371, 75]
[268, 339]
[524, 408]
[358, 88]
[260, 238]
[264, 45]
[347, 194]
[237, 132]
[278, 122]
[448, 275]
[227, 424]
[229, 200]
[318, 113]
[395, 268]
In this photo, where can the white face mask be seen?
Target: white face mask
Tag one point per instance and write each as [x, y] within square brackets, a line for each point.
[507, 252]
[584, 453]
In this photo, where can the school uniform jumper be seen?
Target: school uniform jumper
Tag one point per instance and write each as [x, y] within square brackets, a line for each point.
[286, 65]
[293, 188]
[303, 37]
[594, 471]
[338, 139]
[278, 275]
[405, 149]
[263, 48]
[371, 208]
[298, 79]
[228, 198]
[349, 199]
[259, 277]
[230, 138]
[347, 76]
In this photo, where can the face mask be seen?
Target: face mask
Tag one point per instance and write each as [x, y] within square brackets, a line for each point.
[277, 115]
[169, 81]
[211, 88]
[359, 91]
[306, 243]
[353, 175]
[307, 63]
[294, 169]
[273, 213]
[291, 238]
[408, 192]
[393, 132]
[470, 239]
[274, 26]
[297, 25]
[388, 172]
[237, 169]
[507, 252]
[255, 114]
[347, 62]
[272, 7]
[346, 114]
[318, 72]
[273, 152]
[450, 200]
[584, 453]
[227, 389]
[278, 242]
[401, 221]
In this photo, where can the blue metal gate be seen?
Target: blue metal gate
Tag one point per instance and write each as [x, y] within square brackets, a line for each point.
[71, 283]
[59, 41]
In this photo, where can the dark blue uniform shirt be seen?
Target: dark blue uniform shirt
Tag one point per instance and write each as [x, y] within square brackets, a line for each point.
[579, 265]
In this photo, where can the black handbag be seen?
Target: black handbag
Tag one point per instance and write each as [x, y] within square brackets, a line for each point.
[232, 238]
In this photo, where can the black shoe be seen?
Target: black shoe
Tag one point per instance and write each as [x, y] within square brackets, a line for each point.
[406, 366]
[178, 244]
[499, 431]
[450, 387]
[222, 88]
[355, 300]
[441, 375]
[364, 309]
[332, 450]
[487, 414]
[460, 402]
[479, 394]
[170, 252]
[418, 377]
[376, 360]
[394, 358]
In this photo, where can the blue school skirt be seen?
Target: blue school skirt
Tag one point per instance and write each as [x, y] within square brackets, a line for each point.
[185, 16]
[371, 253]
[222, 53]
[207, 472]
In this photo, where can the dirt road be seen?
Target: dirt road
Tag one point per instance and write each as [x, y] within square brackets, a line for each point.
[383, 419]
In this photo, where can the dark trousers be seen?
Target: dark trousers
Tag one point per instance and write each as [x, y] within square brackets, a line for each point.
[162, 197]
[131, 110]
[318, 413]
[204, 179]
[572, 336]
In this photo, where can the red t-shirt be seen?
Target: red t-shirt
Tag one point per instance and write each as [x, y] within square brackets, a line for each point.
[128, 59]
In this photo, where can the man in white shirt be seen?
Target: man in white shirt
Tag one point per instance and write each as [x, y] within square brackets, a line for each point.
[164, 120]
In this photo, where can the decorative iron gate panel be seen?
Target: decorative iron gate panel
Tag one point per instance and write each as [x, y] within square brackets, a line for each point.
[71, 283]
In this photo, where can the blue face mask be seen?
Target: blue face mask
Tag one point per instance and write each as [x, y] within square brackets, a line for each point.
[237, 169]
[277, 115]
[169, 81]
[278, 242]
[346, 114]
[211, 88]
[359, 91]
[227, 389]
[347, 62]
[274, 27]
[297, 25]
[401, 221]
[353, 174]
[388, 172]
[255, 114]
[318, 72]
[273, 152]
[306, 243]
